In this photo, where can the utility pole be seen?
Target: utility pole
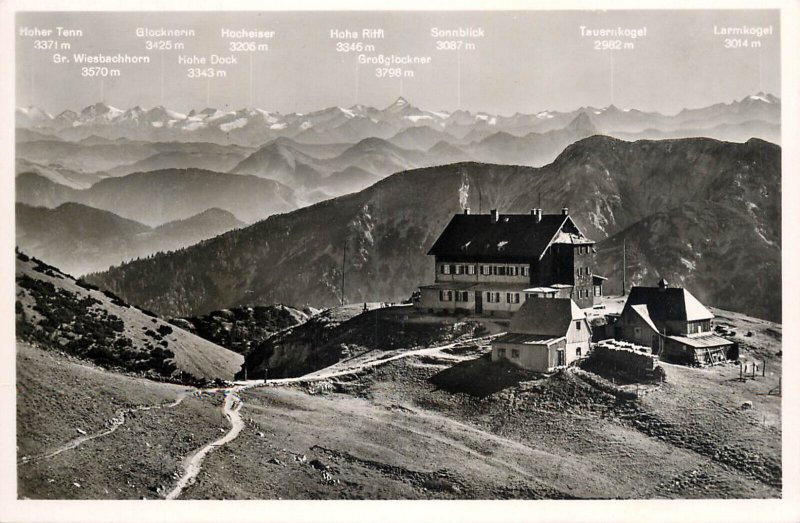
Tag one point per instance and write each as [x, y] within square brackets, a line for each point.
[480, 201]
[623, 267]
[344, 257]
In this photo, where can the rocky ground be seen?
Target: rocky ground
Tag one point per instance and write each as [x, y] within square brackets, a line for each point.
[422, 423]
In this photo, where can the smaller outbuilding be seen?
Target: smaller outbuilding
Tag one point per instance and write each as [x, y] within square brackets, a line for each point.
[544, 334]
[673, 323]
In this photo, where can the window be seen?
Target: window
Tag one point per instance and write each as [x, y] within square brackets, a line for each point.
[501, 271]
[462, 296]
[578, 352]
[452, 269]
[525, 270]
[512, 297]
[483, 270]
[445, 295]
[501, 353]
[577, 325]
[458, 269]
[515, 353]
[470, 269]
[445, 269]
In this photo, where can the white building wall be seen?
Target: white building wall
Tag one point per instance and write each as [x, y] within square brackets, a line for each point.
[536, 357]
[471, 272]
[430, 299]
[578, 338]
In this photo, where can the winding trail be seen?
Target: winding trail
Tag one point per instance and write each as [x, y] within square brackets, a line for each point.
[115, 422]
[231, 408]
[233, 403]
[337, 370]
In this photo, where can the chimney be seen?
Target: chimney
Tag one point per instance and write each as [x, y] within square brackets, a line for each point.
[537, 214]
[494, 215]
[466, 211]
[565, 211]
[662, 284]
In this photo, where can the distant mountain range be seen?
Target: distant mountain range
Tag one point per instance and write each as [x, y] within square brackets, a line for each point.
[252, 127]
[157, 197]
[336, 151]
[213, 171]
[650, 192]
[83, 239]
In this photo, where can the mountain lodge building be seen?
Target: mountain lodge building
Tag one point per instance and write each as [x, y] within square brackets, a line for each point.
[489, 264]
[673, 322]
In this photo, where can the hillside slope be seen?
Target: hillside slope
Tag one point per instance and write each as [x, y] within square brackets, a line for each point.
[242, 328]
[608, 184]
[57, 312]
[714, 250]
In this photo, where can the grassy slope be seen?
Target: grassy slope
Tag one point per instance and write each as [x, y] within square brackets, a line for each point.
[406, 431]
[58, 395]
[410, 430]
[192, 354]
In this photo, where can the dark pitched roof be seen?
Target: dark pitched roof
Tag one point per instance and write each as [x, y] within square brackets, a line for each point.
[513, 236]
[545, 316]
[669, 304]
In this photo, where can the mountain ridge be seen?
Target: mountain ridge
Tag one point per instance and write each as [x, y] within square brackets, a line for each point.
[608, 184]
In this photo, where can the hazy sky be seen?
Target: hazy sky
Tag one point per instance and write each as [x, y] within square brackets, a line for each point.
[525, 62]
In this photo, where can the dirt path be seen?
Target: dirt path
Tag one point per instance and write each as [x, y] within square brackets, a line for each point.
[337, 370]
[233, 403]
[231, 409]
[115, 423]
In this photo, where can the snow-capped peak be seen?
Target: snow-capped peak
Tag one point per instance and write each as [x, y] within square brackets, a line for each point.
[762, 97]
